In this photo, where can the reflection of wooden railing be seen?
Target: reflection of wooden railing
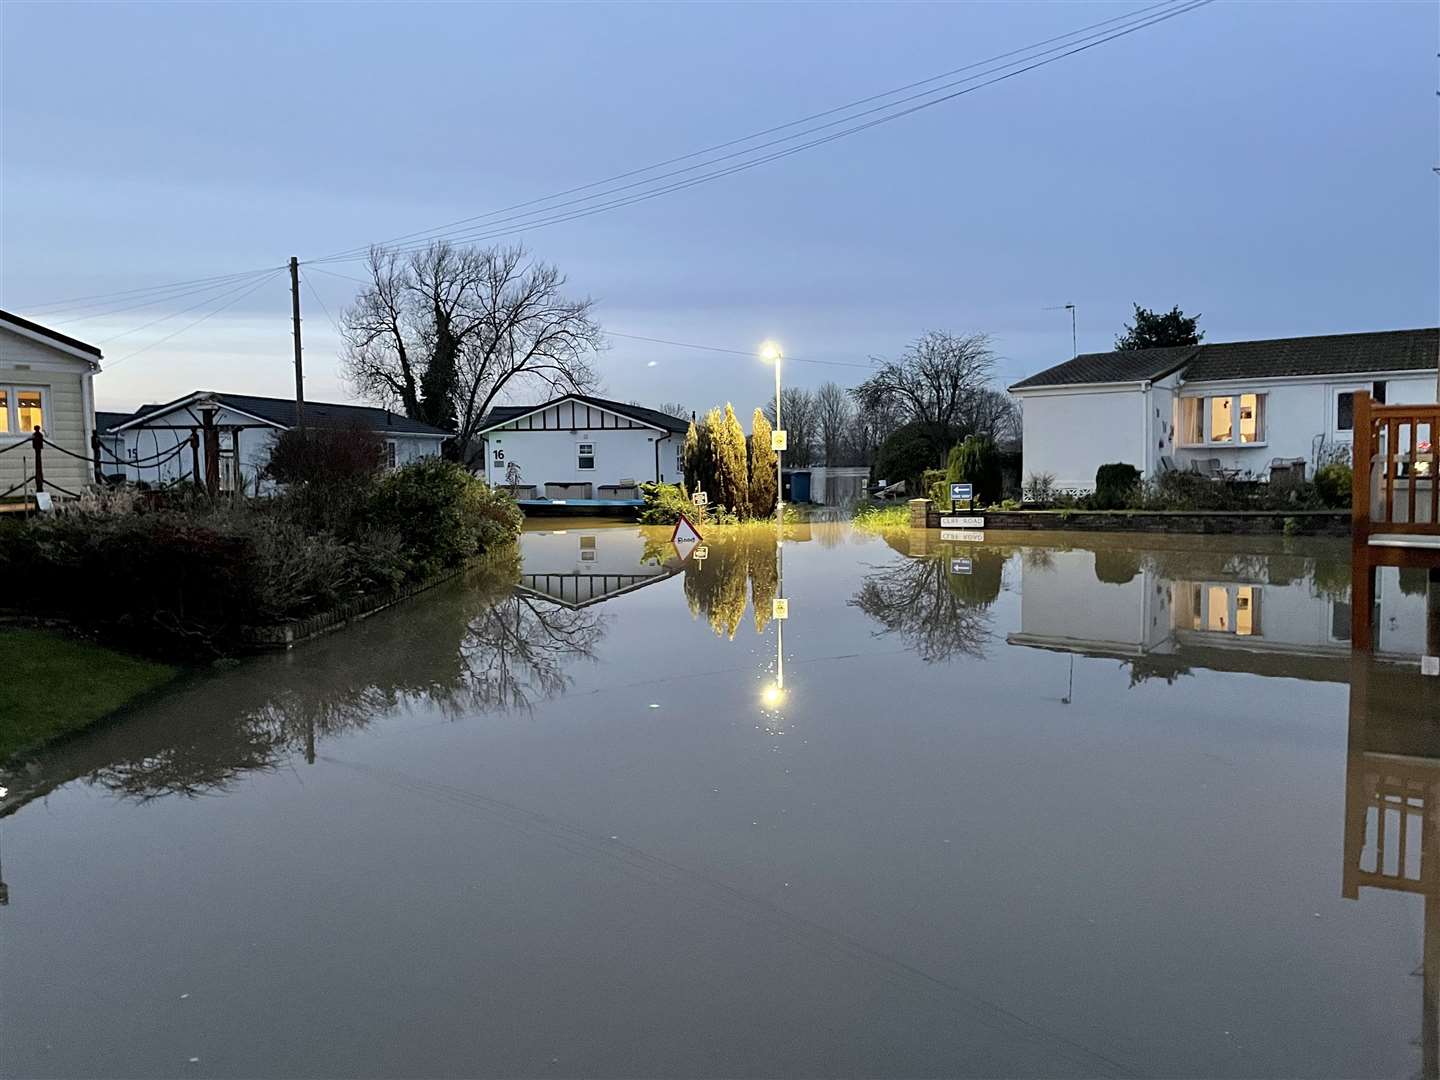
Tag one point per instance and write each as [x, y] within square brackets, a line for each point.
[1396, 464]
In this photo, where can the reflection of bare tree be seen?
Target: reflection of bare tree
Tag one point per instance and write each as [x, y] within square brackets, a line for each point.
[939, 614]
[467, 648]
[517, 652]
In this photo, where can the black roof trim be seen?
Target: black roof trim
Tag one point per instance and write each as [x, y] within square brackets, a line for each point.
[54, 335]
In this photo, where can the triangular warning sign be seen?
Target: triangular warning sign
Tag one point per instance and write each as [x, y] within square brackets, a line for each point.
[685, 537]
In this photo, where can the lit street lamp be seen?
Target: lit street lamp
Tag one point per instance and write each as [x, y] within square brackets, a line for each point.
[774, 693]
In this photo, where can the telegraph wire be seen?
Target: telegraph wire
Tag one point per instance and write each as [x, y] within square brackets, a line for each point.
[244, 290]
[321, 302]
[77, 303]
[441, 229]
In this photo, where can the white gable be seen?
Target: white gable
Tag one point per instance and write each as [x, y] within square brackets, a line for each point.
[572, 415]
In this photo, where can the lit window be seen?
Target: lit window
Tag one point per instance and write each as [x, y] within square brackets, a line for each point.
[586, 454]
[1219, 609]
[1247, 611]
[1222, 422]
[4, 410]
[1215, 421]
[1252, 417]
[27, 410]
[1192, 420]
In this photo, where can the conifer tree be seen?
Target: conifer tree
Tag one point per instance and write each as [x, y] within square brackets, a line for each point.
[732, 456]
[762, 467]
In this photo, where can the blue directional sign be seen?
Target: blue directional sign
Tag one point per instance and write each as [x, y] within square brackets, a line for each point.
[962, 492]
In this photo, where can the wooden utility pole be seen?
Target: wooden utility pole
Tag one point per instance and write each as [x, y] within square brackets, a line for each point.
[295, 319]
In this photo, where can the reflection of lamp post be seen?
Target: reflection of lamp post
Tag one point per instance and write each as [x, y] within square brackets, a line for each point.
[774, 695]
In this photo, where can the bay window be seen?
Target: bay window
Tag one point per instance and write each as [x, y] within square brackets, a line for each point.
[1219, 609]
[1222, 420]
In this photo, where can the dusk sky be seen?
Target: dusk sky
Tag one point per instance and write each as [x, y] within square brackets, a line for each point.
[1268, 165]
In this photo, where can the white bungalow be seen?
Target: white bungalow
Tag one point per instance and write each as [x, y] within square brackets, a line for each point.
[154, 442]
[1238, 408]
[46, 383]
[578, 448]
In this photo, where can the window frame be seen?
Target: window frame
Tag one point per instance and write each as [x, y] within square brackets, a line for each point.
[392, 454]
[581, 455]
[1235, 442]
[12, 392]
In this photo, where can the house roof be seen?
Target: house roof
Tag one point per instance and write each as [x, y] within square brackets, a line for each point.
[1326, 354]
[74, 344]
[281, 413]
[104, 421]
[503, 414]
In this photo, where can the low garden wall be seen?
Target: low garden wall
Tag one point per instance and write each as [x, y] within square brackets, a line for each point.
[1295, 522]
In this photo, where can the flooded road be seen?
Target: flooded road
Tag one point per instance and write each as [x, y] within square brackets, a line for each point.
[1028, 806]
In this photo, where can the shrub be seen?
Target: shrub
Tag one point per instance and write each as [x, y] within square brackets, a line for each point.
[325, 455]
[905, 455]
[933, 487]
[441, 513]
[1116, 486]
[664, 503]
[1039, 488]
[976, 461]
[1332, 482]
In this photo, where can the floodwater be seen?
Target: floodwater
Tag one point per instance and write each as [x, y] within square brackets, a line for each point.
[1027, 805]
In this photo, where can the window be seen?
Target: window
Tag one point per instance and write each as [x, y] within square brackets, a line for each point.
[22, 410]
[587, 549]
[1220, 609]
[1345, 412]
[586, 453]
[1222, 420]
[390, 453]
[1222, 425]
[1377, 391]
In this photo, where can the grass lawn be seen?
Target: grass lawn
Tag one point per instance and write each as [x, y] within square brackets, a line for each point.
[54, 685]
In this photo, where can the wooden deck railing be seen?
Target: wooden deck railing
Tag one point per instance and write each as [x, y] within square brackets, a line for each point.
[1396, 467]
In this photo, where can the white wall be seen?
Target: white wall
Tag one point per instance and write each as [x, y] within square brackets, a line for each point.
[550, 457]
[1070, 433]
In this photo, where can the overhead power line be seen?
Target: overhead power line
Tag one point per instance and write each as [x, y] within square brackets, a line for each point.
[1080, 41]
[81, 303]
[239, 294]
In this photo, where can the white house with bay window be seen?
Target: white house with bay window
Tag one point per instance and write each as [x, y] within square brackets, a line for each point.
[581, 448]
[1242, 409]
[46, 383]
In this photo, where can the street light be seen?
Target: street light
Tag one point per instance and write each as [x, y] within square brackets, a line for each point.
[774, 693]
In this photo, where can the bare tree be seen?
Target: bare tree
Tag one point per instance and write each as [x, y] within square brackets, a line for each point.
[932, 382]
[669, 408]
[444, 331]
[993, 414]
[875, 422]
[798, 411]
[834, 419]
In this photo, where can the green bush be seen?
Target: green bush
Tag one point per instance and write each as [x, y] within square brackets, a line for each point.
[664, 503]
[905, 455]
[1116, 486]
[442, 514]
[1332, 481]
[976, 462]
[934, 487]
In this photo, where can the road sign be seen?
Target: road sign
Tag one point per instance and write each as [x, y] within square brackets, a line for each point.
[972, 535]
[962, 522]
[777, 440]
[780, 608]
[962, 492]
[701, 553]
[961, 566]
[685, 539]
[700, 499]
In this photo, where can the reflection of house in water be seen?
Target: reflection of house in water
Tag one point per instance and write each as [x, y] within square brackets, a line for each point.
[1265, 613]
[580, 567]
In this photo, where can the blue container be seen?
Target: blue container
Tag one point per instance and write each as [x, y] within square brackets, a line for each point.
[800, 487]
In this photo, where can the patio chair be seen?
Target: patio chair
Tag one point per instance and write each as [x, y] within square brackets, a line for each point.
[1208, 467]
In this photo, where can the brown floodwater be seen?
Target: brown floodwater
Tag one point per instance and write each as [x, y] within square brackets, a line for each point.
[1026, 805]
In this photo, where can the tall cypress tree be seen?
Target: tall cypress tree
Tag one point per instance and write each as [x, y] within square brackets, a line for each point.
[734, 470]
[690, 458]
[762, 467]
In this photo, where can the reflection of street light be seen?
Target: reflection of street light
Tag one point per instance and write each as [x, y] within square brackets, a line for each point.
[773, 695]
[770, 353]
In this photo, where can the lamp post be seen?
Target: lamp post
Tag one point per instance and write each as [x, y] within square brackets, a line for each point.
[774, 695]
